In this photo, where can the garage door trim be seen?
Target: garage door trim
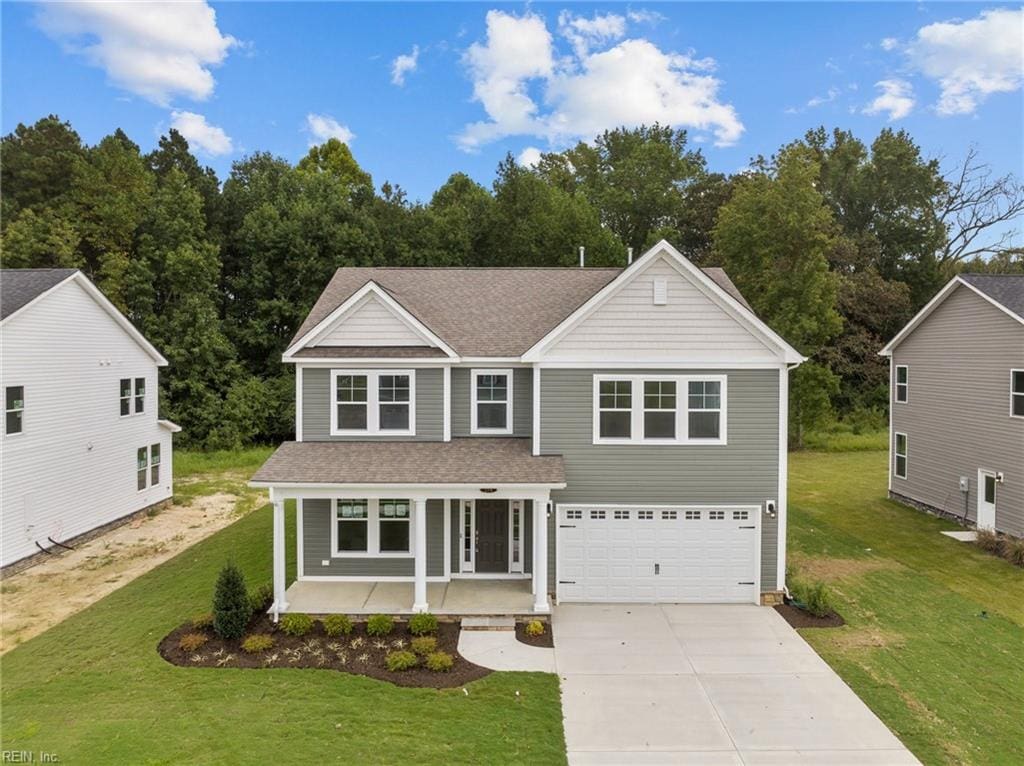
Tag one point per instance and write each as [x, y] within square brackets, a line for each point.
[559, 508]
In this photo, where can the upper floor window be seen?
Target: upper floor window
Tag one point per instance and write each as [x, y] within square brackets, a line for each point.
[140, 395]
[902, 384]
[373, 402]
[14, 410]
[1017, 393]
[659, 409]
[491, 402]
[128, 398]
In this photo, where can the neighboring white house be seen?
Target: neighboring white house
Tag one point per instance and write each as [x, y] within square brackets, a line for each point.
[82, 446]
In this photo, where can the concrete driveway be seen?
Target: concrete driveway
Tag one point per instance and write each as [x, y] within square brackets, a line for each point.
[681, 684]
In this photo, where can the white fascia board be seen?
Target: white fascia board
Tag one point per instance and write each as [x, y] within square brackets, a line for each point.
[462, 491]
[701, 280]
[37, 299]
[370, 362]
[353, 300]
[169, 425]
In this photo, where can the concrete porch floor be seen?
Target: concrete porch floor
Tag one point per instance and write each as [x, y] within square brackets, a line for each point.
[458, 597]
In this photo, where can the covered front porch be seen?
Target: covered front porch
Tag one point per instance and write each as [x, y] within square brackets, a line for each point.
[456, 597]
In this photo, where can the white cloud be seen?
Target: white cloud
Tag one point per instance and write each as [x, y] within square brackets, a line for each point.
[889, 43]
[529, 157]
[403, 65]
[581, 94]
[896, 98]
[323, 127]
[645, 16]
[971, 59]
[155, 50]
[832, 95]
[199, 133]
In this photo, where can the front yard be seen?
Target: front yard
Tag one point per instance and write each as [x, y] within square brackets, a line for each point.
[934, 641]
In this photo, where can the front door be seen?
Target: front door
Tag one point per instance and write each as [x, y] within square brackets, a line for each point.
[492, 536]
[986, 500]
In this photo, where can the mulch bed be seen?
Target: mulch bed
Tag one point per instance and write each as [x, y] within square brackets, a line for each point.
[798, 618]
[546, 639]
[318, 650]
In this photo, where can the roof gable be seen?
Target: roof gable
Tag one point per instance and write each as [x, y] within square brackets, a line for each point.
[20, 287]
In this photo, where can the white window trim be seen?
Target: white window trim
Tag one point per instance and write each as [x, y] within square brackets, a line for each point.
[135, 395]
[467, 513]
[372, 532]
[144, 470]
[372, 404]
[130, 397]
[896, 385]
[16, 409]
[1012, 393]
[157, 465]
[516, 509]
[474, 428]
[904, 455]
[682, 410]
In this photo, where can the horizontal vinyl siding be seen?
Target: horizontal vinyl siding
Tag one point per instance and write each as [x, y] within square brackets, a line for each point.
[316, 546]
[371, 324]
[522, 401]
[745, 471]
[316, 407]
[957, 419]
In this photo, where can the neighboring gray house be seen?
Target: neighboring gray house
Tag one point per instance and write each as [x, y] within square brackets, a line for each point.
[957, 404]
[82, 446]
[600, 434]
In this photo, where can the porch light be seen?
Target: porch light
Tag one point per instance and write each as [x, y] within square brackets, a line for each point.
[488, 490]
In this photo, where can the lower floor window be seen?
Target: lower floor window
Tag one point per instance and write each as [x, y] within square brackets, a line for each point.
[352, 520]
[372, 527]
[141, 468]
[154, 465]
[393, 524]
[901, 456]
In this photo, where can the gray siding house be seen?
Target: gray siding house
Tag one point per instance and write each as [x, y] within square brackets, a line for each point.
[590, 434]
[957, 404]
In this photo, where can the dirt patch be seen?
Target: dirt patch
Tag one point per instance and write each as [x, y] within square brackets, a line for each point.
[44, 595]
[839, 569]
[865, 638]
[356, 653]
[545, 639]
[798, 618]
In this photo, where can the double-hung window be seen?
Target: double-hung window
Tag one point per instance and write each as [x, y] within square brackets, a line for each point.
[126, 397]
[368, 402]
[371, 527]
[660, 409]
[154, 465]
[902, 384]
[491, 402]
[141, 468]
[1017, 393]
[129, 396]
[14, 410]
[900, 456]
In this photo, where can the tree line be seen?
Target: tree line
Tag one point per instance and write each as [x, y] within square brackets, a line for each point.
[834, 242]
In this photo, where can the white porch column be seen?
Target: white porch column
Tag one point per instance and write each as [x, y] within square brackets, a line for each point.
[420, 552]
[280, 604]
[540, 554]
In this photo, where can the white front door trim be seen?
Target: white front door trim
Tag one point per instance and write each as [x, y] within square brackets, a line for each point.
[986, 516]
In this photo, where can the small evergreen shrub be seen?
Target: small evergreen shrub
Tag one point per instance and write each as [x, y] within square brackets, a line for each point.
[192, 641]
[296, 624]
[379, 625]
[261, 597]
[403, 660]
[534, 628]
[815, 597]
[424, 645]
[203, 621]
[337, 625]
[256, 643]
[439, 662]
[231, 609]
[423, 624]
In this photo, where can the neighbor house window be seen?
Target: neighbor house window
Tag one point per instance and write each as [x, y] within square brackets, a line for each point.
[373, 402]
[154, 465]
[393, 526]
[141, 467]
[1017, 393]
[126, 396]
[659, 409]
[902, 384]
[14, 410]
[900, 459]
[352, 526]
[140, 395]
[491, 402]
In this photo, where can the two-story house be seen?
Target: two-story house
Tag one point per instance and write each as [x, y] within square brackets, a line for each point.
[599, 434]
[82, 446]
[956, 432]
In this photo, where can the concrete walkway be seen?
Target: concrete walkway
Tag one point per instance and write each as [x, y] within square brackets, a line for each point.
[681, 684]
[501, 650]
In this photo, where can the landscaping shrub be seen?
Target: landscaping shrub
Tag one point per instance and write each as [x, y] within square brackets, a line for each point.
[424, 645]
[440, 662]
[192, 641]
[989, 541]
[403, 660]
[534, 628]
[422, 624]
[231, 610]
[203, 621]
[1013, 550]
[379, 625]
[256, 643]
[296, 624]
[815, 597]
[260, 597]
[337, 625]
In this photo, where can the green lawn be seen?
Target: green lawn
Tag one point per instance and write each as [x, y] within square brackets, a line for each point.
[93, 690]
[935, 637]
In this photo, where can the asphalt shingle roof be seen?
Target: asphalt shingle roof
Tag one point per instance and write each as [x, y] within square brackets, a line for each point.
[484, 461]
[1005, 289]
[19, 287]
[481, 311]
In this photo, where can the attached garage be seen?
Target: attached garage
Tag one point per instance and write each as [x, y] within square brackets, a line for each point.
[652, 554]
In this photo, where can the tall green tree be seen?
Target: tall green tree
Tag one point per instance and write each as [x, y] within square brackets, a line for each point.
[172, 153]
[462, 217]
[335, 158]
[37, 164]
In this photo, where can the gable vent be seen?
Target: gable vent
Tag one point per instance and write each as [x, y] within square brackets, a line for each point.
[660, 292]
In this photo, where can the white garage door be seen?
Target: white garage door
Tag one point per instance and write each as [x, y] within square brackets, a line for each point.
[670, 554]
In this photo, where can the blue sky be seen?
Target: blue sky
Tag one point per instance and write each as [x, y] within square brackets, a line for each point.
[480, 80]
